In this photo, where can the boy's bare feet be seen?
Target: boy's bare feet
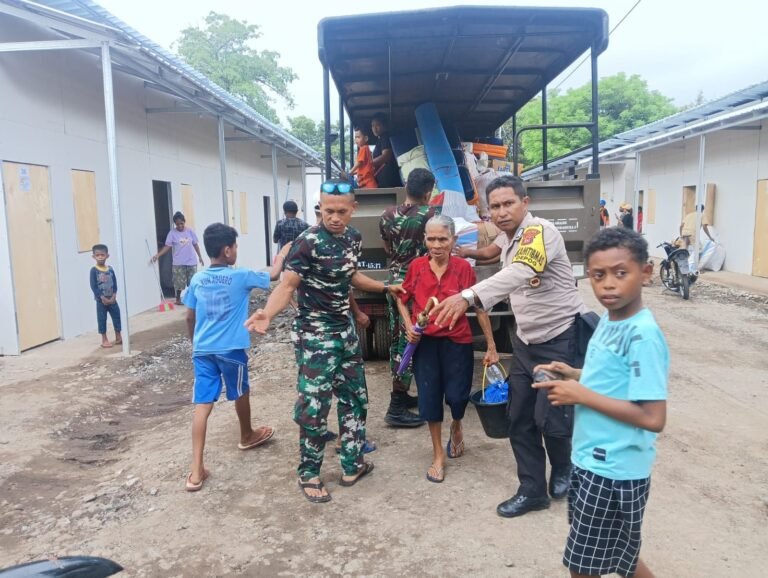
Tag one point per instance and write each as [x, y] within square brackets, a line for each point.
[195, 486]
[257, 437]
[105, 343]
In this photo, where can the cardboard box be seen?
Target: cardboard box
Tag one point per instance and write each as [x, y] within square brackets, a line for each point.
[505, 166]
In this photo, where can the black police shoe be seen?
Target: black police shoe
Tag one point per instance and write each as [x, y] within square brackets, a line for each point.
[559, 482]
[520, 504]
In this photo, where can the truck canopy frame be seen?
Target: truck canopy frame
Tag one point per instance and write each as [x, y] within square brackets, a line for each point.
[479, 64]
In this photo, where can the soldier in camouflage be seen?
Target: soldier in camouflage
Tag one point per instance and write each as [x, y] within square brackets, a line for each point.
[321, 266]
[402, 230]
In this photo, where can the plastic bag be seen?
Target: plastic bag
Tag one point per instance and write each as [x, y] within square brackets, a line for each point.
[497, 390]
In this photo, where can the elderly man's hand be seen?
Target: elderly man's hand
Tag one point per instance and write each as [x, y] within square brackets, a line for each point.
[448, 311]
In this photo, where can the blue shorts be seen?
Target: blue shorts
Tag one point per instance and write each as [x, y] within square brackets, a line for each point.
[212, 371]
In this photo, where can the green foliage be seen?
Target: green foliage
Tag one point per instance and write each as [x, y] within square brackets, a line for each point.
[313, 134]
[222, 51]
[625, 103]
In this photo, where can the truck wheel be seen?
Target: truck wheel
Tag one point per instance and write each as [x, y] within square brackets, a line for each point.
[381, 338]
[365, 335]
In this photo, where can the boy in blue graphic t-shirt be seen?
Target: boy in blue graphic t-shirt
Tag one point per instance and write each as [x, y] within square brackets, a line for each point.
[620, 398]
[217, 301]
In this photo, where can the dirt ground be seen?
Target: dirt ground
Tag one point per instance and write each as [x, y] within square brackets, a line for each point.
[93, 456]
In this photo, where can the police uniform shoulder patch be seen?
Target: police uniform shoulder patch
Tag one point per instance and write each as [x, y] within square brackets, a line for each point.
[531, 251]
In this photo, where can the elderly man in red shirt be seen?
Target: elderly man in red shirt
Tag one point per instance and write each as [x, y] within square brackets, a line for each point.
[444, 361]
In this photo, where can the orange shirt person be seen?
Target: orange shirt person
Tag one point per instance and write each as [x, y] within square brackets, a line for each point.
[363, 168]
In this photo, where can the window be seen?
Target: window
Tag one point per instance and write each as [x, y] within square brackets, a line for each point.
[243, 213]
[86, 210]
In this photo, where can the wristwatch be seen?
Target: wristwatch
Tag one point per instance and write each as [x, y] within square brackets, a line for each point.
[386, 286]
[469, 296]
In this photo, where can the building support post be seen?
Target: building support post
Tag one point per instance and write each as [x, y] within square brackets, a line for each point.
[701, 191]
[275, 185]
[636, 199]
[223, 169]
[109, 117]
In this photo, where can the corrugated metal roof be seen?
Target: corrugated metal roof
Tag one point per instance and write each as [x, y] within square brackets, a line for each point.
[710, 110]
[93, 12]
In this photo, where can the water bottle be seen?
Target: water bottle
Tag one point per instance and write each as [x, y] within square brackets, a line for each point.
[494, 376]
[543, 375]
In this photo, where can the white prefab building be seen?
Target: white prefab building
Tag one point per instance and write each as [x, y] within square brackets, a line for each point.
[713, 156]
[103, 135]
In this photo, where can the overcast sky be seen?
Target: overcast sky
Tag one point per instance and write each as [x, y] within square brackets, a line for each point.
[678, 47]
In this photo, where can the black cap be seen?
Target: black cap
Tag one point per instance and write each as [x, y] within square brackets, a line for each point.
[290, 207]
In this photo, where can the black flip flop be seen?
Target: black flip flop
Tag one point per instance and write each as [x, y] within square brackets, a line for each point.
[363, 471]
[314, 486]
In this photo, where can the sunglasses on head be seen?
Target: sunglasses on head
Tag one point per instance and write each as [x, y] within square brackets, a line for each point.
[336, 188]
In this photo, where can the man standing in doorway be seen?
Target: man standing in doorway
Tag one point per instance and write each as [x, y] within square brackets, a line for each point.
[290, 227]
[402, 230]
[538, 280]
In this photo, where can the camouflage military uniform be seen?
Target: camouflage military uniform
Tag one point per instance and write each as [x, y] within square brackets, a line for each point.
[327, 348]
[403, 228]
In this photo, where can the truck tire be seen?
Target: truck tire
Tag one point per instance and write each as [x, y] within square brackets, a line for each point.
[365, 335]
[382, 340]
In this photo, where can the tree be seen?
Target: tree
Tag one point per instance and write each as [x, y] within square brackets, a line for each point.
[222, 51]
[625, 103]
[305, 129]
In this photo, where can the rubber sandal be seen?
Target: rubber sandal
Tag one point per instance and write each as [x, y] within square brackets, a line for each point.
[440, 475]
[362, 471]
[314, 486]
[258, 442]
[368, 447]
[191, 487]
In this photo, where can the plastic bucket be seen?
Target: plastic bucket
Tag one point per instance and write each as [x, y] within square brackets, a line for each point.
[493, 416]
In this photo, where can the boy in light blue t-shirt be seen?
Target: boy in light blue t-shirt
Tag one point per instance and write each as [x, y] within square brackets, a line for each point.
[217, 301]
[620, 398]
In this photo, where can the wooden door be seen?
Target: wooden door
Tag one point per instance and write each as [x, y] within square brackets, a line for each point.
[689, 201]
[33, 259]
[760, 249]
[188, 205]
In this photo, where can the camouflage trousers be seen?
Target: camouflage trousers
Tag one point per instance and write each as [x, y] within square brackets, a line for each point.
[399, 342]
[329, 364]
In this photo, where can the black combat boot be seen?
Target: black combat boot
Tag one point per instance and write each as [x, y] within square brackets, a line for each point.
[411, 401]
[398, 414]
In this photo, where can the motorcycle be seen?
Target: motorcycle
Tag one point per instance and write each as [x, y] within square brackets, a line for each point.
[675, 271]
